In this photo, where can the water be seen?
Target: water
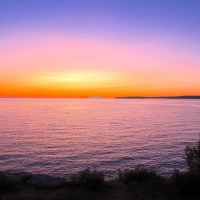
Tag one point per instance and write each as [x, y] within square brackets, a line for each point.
[63, 136]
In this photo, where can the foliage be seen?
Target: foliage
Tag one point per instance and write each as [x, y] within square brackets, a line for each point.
[187, 184]
[139, 174]
[193, 157]
[93, 180]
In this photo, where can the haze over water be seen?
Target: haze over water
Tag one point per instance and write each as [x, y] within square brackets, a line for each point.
[63, 136]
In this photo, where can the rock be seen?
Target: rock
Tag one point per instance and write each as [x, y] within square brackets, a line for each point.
[45, 181]
[7, 182]
[18, 178]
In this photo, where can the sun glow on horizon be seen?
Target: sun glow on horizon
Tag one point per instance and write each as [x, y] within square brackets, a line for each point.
[76, 79]
[60, 66]
[114, 53]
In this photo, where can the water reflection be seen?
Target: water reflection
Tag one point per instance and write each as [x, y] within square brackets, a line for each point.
[63, 136]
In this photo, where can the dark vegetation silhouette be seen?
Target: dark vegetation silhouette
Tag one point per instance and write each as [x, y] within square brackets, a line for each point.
[140, 174]
[144, 182]
[192, 157]
[88, 179]
[141, 182]
[181, 185]
[188, 183]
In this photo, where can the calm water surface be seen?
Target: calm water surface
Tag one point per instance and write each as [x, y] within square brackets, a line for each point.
[62, 136]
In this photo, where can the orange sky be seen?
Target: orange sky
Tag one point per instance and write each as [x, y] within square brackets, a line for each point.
[99, 48]
[60, 66]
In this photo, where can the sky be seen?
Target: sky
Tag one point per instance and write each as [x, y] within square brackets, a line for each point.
[108, 48]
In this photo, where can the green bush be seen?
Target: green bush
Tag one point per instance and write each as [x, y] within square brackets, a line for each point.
[93, 180]
[139, 174]
[187, 184]
[192, 157]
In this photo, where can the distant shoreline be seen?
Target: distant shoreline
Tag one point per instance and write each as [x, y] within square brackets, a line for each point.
[159, 97]
[119, 97]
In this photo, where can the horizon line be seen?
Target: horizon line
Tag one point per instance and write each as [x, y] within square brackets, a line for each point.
[117, 97]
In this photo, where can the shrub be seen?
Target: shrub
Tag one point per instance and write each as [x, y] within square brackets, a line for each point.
[193, 157]
[139, 174]
[93, 180]
[186, 183]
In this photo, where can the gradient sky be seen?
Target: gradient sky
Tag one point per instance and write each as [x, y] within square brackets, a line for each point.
[82, 48]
